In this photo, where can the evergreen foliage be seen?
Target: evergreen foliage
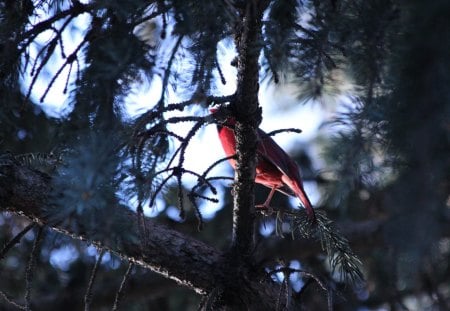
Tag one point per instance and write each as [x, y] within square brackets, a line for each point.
[383, 174]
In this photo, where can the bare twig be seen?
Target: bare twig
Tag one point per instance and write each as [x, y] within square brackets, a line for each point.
[152, 16]
[219, 70]
[31, 266]
[298, 131]
[49, 48]
[267, 54]
[287, 271]
[75, 10]
[16, 240]
[198, 213]
[121, 290]
[167, 72]
[69, 61]
[205, 173]
[88, 295]
[158, 189]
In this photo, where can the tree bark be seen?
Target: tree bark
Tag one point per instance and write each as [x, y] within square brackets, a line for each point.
[248, 116]
[192, 263]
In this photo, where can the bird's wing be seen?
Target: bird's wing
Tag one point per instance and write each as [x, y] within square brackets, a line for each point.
[269, 150]
[272, 152]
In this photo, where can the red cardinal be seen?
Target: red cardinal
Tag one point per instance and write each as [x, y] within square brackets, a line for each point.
[275, 169]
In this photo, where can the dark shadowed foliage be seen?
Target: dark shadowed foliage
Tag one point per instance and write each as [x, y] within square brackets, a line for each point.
[78, 184]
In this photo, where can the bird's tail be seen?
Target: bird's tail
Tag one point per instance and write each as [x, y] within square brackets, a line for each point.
[301, 195]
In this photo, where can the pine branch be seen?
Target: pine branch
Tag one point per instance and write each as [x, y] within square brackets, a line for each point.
[11, 302]
[75, 10]
[362, 236]
[177, 171]
[200, 267]
[340, 256]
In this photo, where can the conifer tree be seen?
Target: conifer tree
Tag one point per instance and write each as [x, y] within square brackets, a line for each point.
[77, 185]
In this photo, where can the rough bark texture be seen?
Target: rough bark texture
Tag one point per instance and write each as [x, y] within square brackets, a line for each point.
[190, 262]
[248, 115]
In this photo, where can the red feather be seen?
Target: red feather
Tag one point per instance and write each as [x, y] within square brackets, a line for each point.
[275, 168]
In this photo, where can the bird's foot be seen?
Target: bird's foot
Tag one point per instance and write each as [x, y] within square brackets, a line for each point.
[264, 209]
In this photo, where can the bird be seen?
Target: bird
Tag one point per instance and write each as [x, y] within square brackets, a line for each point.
[275, 169]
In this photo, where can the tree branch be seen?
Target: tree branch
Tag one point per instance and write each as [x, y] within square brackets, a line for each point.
[248, 115]
[192, 263]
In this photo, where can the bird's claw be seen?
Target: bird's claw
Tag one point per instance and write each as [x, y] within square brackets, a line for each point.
[264, 209]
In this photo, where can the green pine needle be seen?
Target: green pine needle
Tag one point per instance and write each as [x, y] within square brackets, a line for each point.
[342, 259]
